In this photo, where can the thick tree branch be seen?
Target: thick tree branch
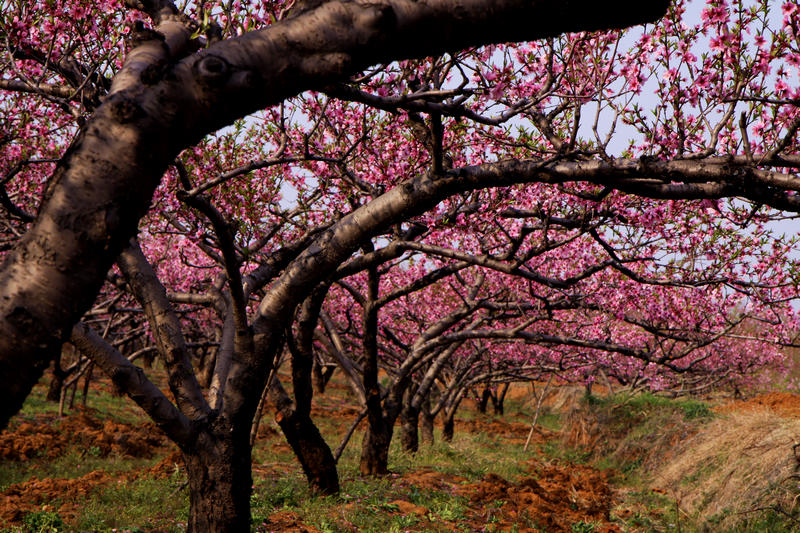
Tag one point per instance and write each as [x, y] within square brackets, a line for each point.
[132, 380]
[166, 329]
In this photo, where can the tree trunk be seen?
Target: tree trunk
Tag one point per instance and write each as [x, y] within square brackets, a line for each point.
[375, 449]
[56, 382]
[312, 451]
[447, 429]
[482, 400]
[220, 483]
[206, 365]
[321, 375]
[86, 383]
[303, 436]
[499, 398]
[427, 423]
[409, 435]
[317, 378]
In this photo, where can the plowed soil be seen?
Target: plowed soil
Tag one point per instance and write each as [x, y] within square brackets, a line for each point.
[781, 403]
[286, 521]
[22, 498]
[552, 498]
[84, 429]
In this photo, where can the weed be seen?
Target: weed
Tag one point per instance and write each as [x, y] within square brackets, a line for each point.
[43, 522]
[450, 511]
[583, 527]
[94, 451]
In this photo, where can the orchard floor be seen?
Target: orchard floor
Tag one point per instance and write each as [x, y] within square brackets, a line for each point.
[105, 468]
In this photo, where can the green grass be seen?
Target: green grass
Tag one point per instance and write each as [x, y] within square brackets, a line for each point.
[105, 405]
[364, 505]
[144, 504]
[71, 465]
[469, 455]
[646, 404]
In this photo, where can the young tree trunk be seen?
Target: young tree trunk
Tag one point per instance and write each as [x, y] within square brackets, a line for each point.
[220, 483]
[409, 434]
[483, 400]
[56, 382]
[86, 383]
[303, 436]
[499, 398]
[321, 375]
[447, 429]
[427, 424]
[375, 448]
[312, 451]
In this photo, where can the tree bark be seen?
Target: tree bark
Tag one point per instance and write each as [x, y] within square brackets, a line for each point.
[427, 425]
[448, 424]
[312, 451]
[220, 483]
[375, 447]
[409, 429]
[307, 443]
[447, 428]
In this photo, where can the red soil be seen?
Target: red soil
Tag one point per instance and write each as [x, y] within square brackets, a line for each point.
[22, 498]
[553, 498]
[782, 403]
[83, 429]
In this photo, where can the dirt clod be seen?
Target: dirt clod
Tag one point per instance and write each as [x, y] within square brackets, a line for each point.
[84, 429]
[553, 498]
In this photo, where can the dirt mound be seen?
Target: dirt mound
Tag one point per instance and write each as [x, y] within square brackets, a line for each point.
[513, 432]
[782, 403]
[22, 498]
[429, 480]
[554, 498]
[166, 467]
[85, 429]
[287, 522]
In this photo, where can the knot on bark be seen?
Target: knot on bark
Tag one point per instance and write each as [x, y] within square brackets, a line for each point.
[126, 110]
[376, 18]
[141, 34]
[23, 320]
[213, 69]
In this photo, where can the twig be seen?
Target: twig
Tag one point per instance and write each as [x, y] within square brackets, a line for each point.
[338, 453]
[536, 414]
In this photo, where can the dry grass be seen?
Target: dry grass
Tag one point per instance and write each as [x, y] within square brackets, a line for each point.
[735, 464]
[564, 398]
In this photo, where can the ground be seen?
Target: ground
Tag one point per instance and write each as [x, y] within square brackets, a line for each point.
[597, 465]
